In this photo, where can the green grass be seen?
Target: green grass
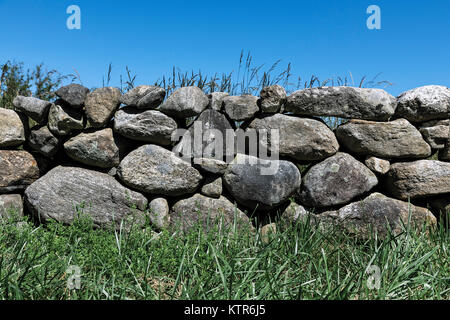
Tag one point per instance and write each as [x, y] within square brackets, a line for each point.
[299, 263]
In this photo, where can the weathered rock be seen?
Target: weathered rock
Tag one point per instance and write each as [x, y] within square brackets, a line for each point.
[240, 108]
[185, 102]
[378, 165]
[377, 213]
[336, 181]
[418, 179]
[212, 187]
[18, 169]
[74, 94]
[216, 100]
[144, 97]
[208, 213]
[12, 131]
[389, 140]
[436, 133]
[148, 126]
[10, 204]
[261, 184]
[101, 104]
[300, 139]
[296, 214]
[43, 141]
[424, 103]
[210, 129]
[268, 231]
[344, 102]
[272, 98]
[62, 119]
[35, 108]
[65, 191]
[155, 170]
[159, 213]
[96, 149]
[211, 165]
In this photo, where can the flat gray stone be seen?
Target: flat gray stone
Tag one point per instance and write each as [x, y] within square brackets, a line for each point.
[12, 132]
[343, 102]
[155, 170]
[336, 181]
[74, 94]
[144, 97]
[388, 140]
[185, 102]
[149, 126]
[35, 108]
[101, 104]
[240, 108]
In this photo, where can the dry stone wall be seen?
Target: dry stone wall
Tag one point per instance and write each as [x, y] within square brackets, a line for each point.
[177, 160]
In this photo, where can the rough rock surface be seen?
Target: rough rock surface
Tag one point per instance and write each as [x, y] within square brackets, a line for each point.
[101, 104]
[418, 179]
[378, 165]
[344, 102]
[296, 214]
[336, 181]
[10, 203]
[185, 102]
[74, 94]
[212, 126]
[211, 165]
[208, 213]
[212, 187]
[12, 131]
[389, 140]
[18, 169]
[159, 213]
[63, 191]
[436, 133]
[300, 139]
[96, 149]
[377, 213]
[261, 184]
[148, 126]
[216, 100]
[62, 119]
[424, 103]
[35, 108]
[43, 141]
[144, 97]
[272, 98]
[155, 170]
[240, 108]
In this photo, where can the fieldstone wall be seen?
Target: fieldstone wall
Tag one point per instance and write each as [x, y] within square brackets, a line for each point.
[138, 157]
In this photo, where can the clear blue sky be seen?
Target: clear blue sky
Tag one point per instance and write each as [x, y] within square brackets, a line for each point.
[324, 38]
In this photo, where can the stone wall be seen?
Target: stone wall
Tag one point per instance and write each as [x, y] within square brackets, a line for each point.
[173, 161]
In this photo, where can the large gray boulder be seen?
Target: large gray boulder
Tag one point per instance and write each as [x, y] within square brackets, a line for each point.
[261, 184]
[43, 141]
[101, 104]
[185, 102]
[344, 102]
[336, 181]
[155, 170]
[424, 103]
[377, 213]
[144, 97]
[97, 149]
[208, 213]
[207, 137]
[389, 140]
[18, 169]
[12, 131]
[300, 139]
[240, 108]
[148, 126]
[436, 133]
[64, 192]
[62, 119]
[418, 179]
[272, 98]
[74, 94]
[35, 108]
[11, 205]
